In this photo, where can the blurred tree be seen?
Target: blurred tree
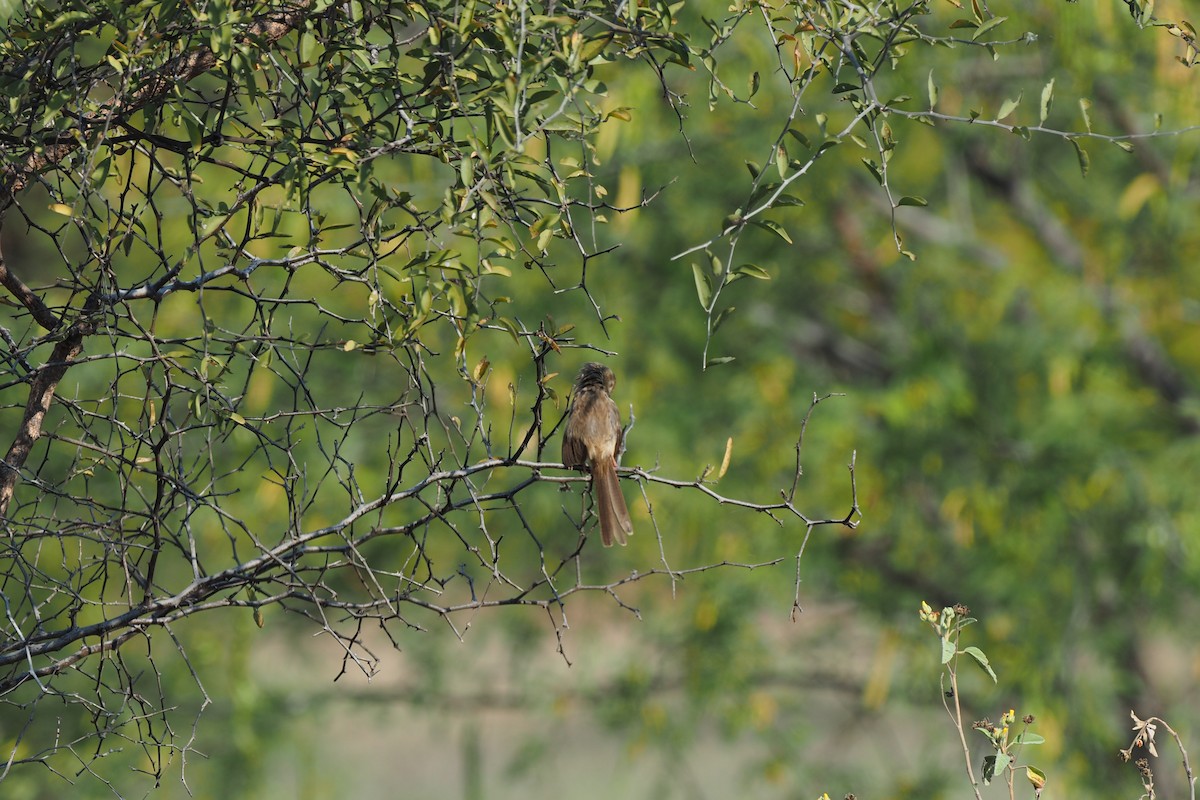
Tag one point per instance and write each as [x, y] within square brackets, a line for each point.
[1023, 395]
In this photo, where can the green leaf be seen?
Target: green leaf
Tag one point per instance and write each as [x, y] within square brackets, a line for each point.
[995, 765]
[933, 91]
[1126, 146]
[774, 227]
[488, 268]
[249, 80]
[912, 200]
[981, 660]
[468, 16]
[712, 362]
[100, 173]
[1029, 738]
[1009, 106]
[755, 80]
[195, 133]
[1047, 101]
[989, 769]
[947, 650]
[68, 18]
[987, 26]
[715, 266]
[704, 287]
[1084, 106]
[800, 137]
[874, 169]
[725, 312]
[1082, 155]
[752, 271]
[594, 47]
[508, 325]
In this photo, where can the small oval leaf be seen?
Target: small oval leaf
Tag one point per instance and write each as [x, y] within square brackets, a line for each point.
[1008, 107]
[753, 271]
[703, 285]
[774, 227]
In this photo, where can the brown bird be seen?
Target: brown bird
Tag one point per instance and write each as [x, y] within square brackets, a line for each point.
[592, 440]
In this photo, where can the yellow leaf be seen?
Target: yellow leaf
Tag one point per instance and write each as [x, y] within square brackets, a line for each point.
[481, 368]
[1136, 194]
[725, 461]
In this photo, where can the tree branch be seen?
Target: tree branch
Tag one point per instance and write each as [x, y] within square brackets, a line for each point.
[17, 288]
[41, 392]
[266, 29]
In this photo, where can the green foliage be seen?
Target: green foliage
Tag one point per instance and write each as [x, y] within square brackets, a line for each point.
[1020, 397]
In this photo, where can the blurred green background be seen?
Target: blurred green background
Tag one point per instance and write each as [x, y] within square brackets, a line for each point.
[1020, 402]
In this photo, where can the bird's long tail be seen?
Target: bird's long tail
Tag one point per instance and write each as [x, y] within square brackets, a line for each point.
[615, 524]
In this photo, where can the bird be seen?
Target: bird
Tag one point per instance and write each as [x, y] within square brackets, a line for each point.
[592, 440]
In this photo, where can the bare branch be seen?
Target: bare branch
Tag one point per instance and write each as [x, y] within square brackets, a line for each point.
[41, 392]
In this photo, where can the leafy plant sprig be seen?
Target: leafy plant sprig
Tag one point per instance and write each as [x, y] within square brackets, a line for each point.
[1003, 761]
